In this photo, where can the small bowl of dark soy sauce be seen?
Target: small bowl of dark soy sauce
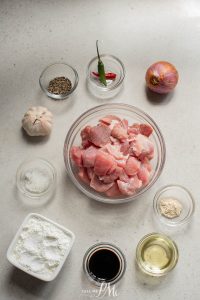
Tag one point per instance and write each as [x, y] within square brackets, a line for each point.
[104, 263]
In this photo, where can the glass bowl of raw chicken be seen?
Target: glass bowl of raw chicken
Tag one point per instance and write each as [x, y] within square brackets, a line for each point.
[114, 153]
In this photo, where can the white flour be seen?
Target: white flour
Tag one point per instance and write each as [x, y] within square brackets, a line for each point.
[40, 247]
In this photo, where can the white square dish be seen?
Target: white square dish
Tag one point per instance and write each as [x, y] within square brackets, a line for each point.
[11, 253]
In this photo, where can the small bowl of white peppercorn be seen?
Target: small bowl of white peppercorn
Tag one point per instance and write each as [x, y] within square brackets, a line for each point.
[58, 81]
[173, 205]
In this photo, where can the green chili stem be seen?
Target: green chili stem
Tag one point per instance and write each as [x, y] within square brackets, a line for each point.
[101, 71]
[98, 51]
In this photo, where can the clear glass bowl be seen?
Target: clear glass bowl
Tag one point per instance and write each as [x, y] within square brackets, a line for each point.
[179, 193]
[36, 178]
[156, 254]
[104, 246]
[57, 70]
[111, 64]
[91, 117]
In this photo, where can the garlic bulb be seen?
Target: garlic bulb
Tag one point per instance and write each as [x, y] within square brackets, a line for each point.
[37, 121]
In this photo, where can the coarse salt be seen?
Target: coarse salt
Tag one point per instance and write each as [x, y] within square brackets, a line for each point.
[37, 180]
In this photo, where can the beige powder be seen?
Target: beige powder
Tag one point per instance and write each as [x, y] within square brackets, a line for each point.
[170, 208]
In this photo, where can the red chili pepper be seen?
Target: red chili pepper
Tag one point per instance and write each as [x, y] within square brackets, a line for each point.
[108, 75]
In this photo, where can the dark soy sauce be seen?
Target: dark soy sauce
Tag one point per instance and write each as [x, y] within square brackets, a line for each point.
[104, 265]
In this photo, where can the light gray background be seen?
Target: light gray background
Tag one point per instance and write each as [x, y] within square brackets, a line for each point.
[34, 34]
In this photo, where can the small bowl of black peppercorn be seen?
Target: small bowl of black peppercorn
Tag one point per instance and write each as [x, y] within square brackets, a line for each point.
[58, 81]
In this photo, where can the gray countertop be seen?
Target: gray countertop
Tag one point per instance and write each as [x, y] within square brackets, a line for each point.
[34, 34]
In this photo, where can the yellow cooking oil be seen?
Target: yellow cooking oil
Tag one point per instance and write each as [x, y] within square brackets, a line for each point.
[156, 254]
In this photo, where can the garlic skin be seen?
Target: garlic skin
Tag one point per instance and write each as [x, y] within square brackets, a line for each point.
[37, 121]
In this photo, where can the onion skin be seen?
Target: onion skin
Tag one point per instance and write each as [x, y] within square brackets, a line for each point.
[161, 77]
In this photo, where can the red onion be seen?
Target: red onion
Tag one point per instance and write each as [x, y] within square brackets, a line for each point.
[161, 77]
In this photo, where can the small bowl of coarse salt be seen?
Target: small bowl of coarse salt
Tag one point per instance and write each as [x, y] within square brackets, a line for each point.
[40, 247]
[36, 178]
[173, 205]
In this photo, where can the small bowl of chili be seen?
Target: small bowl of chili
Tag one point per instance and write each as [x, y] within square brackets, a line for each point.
[114, 74]
[58, 80]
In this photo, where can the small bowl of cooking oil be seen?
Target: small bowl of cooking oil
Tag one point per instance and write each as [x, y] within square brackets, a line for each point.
[156, 254]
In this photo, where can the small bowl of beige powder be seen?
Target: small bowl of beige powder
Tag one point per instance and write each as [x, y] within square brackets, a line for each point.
[173, 205]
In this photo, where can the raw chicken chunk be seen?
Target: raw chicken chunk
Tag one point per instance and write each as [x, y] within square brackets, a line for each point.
[111, 177]
[99, 185]
[114, 141]
[85, 133]
[132, 166]
[113, 191]
[89, 156]
[82, 174]
[119, 132]
[147, 164]
[104, 164]
[134, 129]
[130, 187]
[124, 124]
[76, 156]
[115, 151]
[144, 174]
[146, 129]
[100, 135]
[142, 147]
[123, 176]
[124, 148]
[90, 172]
[109, 118]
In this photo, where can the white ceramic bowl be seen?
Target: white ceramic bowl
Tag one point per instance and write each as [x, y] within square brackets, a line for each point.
[13, 261]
